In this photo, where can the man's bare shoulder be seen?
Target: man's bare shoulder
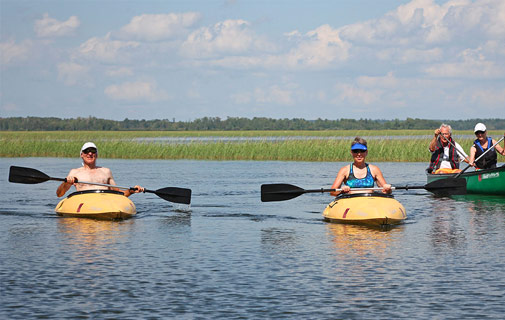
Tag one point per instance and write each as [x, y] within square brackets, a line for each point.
[75, 171]
[104, 171]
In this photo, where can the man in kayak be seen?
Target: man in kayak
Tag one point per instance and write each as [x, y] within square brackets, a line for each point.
[359, 174]
[481, 145]
[90, 172]
[446, 154]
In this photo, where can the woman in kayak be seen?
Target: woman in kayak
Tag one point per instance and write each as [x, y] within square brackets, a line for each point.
[359, 174]
[481, 145]
[90, 172]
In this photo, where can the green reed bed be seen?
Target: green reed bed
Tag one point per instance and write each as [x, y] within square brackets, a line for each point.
[123, 146]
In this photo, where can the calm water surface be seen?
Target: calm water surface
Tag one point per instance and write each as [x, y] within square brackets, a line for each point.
[231, 256]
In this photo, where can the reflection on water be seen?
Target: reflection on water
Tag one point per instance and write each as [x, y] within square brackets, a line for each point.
[92, 232]
[362, 241]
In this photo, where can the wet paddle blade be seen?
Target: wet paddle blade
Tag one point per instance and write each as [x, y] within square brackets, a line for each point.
[279, 192]
[27, 175]
[172, 194]
[448, 186]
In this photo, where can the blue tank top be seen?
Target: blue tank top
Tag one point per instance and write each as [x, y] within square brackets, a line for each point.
[366, 182]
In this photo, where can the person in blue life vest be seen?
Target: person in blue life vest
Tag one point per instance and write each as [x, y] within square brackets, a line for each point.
[480, 145]
[90, 172]
[446, 154]
[359, 174]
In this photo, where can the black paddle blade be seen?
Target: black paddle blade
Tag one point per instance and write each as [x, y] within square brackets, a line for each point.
[177, 195]
[448, 186]
[27, 175]
[279, 192]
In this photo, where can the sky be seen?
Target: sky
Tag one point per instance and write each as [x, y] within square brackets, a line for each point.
[189, 59]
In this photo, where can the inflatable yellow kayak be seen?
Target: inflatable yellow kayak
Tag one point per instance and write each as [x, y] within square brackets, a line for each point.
[365, 208]
[96, 204]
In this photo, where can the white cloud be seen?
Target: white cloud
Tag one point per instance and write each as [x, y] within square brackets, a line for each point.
[231, 44]
[49, 27]
[72, 73]
[490, 97]
[154, 27]
[228, 38]
[274, 94]
[470, 64]
[241, 98]
[387, 81]
[356, 95]
[424, 22]
[136, 91]
[11, 52]
[106, 50]
[319, 48]
[119, 72]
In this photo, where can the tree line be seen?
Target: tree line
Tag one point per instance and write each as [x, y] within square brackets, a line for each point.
[233, 123]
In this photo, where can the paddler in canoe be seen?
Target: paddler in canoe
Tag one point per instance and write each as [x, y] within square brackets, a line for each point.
[480, 145]
[90, 172]
[359, 174]
[446, 154]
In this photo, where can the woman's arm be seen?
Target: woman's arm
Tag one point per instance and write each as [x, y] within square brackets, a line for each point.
[343, 173]
[379, 178]
[471, 159]
[499, 149]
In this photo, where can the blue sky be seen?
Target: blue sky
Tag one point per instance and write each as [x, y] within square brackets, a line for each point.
[375, 59]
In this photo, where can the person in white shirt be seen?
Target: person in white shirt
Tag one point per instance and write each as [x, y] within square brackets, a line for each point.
[445, 152]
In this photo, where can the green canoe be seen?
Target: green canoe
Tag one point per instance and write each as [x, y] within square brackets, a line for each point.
[489, 181]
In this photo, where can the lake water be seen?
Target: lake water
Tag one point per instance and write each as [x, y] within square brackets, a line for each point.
[231, 256]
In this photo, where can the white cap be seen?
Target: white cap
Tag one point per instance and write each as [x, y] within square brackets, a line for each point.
[479, 127]
[88, 145]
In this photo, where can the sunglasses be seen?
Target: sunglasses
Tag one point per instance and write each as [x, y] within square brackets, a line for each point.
[358, 151]
[88, 150]
[479, 132]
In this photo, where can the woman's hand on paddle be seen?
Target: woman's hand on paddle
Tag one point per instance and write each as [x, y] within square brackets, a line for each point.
[345, 188]
[386, 188]
[138, 189]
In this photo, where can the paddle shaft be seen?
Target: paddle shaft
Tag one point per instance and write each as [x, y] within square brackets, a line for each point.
[406, 187]
[98, 184]
[488, 149]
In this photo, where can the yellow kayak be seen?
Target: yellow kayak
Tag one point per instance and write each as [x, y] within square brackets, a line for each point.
[365, 208]
[96, 204]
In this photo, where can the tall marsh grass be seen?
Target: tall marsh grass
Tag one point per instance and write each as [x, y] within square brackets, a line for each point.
[122, 145]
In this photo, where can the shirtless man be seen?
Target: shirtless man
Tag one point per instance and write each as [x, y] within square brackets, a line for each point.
[90, 172]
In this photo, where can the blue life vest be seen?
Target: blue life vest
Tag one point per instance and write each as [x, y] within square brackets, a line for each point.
[366, 182]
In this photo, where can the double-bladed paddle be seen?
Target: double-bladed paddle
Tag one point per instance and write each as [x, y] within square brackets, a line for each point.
[33, 176]
[284, 191]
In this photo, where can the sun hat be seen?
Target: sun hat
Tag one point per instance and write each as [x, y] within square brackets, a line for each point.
[358, 146]
[88, 145]
[479, 127]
